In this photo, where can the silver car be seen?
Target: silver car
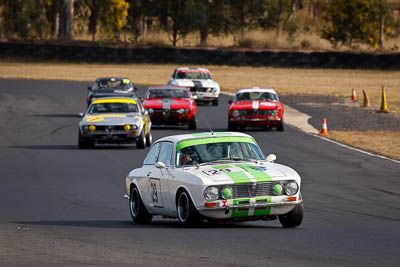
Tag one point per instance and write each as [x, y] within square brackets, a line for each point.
[115, 120]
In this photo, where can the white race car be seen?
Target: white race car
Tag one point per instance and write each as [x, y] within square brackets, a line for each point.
[220, 176]
[202, 87]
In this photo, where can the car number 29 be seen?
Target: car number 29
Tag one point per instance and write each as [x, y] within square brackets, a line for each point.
[216, 171]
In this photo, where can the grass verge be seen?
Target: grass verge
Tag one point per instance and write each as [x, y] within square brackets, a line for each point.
[331, 82]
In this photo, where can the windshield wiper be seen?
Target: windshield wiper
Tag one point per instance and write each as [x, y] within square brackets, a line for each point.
[215, 161]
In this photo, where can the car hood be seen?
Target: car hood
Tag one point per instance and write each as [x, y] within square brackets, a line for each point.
[195, 83]
[255, 104]
[240, 172]
[112, 119]
[167, 103]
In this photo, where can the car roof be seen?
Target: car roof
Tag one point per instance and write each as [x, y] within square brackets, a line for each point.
[168, 86]
[256, 89]
[109, 78]
[192, 69]
[181, 137]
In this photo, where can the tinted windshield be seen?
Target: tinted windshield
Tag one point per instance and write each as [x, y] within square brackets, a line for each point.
[112, 84]
[226, 151]
[113, 108]
[193, 75]
[253, 96]
[167, 93]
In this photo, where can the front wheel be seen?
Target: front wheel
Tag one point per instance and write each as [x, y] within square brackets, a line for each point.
[138, 211]
[187, 214]
[215, 102]
[280, 127]
[84, 143]
[149, 139]
[293, 218]
[192, 123]
[141, 142]
[231, 126]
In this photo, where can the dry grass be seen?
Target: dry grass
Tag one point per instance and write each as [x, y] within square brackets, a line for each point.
[286, 81]
[386, 143]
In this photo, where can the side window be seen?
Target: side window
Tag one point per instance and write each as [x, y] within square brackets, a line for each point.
[151, 157]
[166, 152]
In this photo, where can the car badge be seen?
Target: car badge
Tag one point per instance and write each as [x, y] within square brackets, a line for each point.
[109, 128]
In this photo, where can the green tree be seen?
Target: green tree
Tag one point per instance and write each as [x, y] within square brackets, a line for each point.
[349, 22]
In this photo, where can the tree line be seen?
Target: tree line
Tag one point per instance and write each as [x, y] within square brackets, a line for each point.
[342, 22]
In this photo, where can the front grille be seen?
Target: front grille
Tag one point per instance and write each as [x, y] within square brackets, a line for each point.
[252, 190]
[199, 89]
[110, 128]
[257, 112]
[165, 110]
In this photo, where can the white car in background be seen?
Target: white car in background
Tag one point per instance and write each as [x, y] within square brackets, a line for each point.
[221, 176]
[202, 87]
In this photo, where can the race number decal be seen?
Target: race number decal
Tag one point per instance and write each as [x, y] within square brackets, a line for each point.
[211, 172]
[155, 193]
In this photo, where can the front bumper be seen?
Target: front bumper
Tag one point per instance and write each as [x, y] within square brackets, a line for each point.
[247, 208]
[255, 120]
[112, 136]
[201, 96]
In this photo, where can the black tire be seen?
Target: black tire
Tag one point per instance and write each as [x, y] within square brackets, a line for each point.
[187, 214]
[280, 127]
[84, 143]
[138, 211]
[141, 142]
[149, 139]
[231, 126]
[192, 123]
[293, 218]
[215, 102]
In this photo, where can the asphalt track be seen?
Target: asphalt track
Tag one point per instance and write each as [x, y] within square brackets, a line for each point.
[63, 206]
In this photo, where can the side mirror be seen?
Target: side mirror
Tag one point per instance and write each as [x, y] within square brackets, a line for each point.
[160, 165]
[81, 115]
[89, 88]
[230, 102]
[271, 158]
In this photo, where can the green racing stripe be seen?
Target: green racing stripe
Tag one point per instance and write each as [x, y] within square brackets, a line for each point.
[259, 175]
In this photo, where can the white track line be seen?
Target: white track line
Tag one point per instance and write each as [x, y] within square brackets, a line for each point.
[303, 126]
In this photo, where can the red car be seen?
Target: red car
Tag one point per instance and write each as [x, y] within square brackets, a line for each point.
[255, 106]
[171, 105]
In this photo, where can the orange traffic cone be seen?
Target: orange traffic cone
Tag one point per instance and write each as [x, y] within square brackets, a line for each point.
[324, 130]
[353, 95]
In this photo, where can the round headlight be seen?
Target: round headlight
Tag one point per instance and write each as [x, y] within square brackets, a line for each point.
[277, 189]
[186, 110]
[181, 110]
[151, 110]
[235, 113]
[85, 127]
[226, 192]
[291, 188]
[211, 193]
[127, 127]
[134, 127]
[92, 128]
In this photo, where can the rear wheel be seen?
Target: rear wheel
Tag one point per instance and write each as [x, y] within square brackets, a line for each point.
[187, 214]
[138, 211]
[192, 123]
[141, 142]
[149, 139]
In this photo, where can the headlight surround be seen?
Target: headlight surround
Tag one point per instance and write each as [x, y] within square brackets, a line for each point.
[291, 188]
[211, 193]
[235, 113]
[92, 128]
[226, 192]
[274, 112]
[127, 127]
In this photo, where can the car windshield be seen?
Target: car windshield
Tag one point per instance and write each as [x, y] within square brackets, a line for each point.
[193, 75]
[113, 108]
[112, 84]
[254, 96]
[167, 93]
[218, 152]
